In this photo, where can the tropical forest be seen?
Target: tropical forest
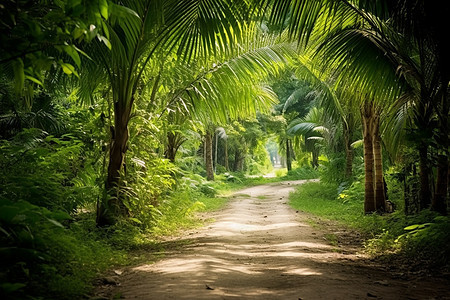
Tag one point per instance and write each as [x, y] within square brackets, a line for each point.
[224, 149]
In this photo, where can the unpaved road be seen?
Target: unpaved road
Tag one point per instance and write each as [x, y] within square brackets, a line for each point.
[260, 248]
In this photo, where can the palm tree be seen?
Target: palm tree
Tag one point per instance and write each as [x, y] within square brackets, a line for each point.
[311, 129]
[409, 35]
[222, 134]
[136, 30]
[141, 32]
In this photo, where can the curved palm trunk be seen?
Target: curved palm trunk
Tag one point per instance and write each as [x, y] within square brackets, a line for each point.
[367, 114]
[380, 193]
[209, 157]
[112, 207]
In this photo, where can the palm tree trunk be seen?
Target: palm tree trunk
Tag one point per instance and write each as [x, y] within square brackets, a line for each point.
[424, 171]
[315, 157]
[227, 167]
[209, 157]
[439, 202]
[348, 132]
[380, 193]
[238, 160]
[171, 150]
[288, 156]
[215, 152]
[367, 114]
[112, 207]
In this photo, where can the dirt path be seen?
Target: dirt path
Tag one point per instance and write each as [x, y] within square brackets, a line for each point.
[259, 248]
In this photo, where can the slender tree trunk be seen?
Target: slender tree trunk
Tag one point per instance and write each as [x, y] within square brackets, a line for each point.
[288, 156]
[215, 152]
[439, 202]
[380, 192]
[227, 167]
[424, 176]
[315, 157]
[367, 114]
[238, 160]
[112, 207]
[348, 132]
[209, 157]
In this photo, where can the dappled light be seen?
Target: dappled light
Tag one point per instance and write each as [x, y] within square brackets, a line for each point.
[258, 247]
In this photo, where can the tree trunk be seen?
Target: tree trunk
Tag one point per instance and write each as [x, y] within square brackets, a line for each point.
[171, 149]
[288, 156]
[227, 167]
[367, 114]
[238, 161]
[439, 202]
[424, 171]
[215, 152]
[209, 157]
[348, 132]
[315, 157]
[380, 192]
[112, 207]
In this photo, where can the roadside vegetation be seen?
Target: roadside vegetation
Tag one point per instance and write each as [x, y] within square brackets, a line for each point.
[396, 238]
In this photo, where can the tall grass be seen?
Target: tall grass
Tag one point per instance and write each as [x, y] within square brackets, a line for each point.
[424, 237]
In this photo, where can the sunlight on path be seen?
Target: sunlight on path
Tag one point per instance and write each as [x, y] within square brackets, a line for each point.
[258, 248]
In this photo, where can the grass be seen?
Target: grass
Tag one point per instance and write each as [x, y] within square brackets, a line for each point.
[423, 238]
[321, 199]
[213, 203]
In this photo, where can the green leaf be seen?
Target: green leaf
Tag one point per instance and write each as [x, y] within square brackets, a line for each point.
[35, 80]
[105, 41]
[19, 75]
[73, 53]
[103, 5]
[55, 223]
[417, 226]
[68, 69]
[136, 220]
[412, 227]
[8, 287]
[60, 216]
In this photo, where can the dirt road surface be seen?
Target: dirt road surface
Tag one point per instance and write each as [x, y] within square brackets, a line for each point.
[260, 248]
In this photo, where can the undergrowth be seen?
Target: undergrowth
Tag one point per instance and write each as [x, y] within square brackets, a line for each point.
[423, 238]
